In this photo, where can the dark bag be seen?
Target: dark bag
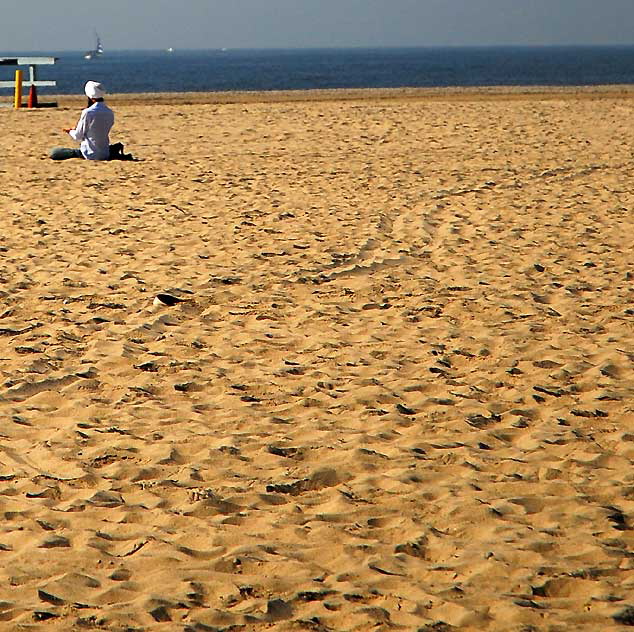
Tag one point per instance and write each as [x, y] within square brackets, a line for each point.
[116, 153]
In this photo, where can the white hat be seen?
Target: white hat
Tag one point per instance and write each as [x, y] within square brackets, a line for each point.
[94, 90]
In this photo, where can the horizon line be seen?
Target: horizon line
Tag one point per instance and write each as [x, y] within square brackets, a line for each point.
[321, 48]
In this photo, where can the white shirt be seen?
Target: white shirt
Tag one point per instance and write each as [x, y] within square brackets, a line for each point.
[92, 131]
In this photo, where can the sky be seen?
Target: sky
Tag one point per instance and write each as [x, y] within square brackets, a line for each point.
[58, 25]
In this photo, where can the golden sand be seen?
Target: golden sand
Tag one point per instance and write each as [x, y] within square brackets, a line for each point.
[397, 392]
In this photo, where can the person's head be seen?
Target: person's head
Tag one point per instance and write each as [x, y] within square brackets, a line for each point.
[94, 91]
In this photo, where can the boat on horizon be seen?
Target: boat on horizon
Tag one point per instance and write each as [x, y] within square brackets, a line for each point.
[97, 51]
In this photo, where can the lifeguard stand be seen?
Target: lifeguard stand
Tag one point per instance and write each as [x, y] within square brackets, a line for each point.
[31, 81]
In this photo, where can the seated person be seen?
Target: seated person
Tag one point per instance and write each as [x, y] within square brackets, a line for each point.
[92, 131]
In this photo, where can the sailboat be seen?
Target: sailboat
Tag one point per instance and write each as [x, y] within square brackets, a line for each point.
[97, 51]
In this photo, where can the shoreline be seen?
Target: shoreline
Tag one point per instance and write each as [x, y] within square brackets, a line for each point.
[486, 93]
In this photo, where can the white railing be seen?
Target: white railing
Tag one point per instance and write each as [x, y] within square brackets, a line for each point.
[31, 80]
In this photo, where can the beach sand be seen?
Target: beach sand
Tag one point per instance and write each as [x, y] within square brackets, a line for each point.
[396, 392]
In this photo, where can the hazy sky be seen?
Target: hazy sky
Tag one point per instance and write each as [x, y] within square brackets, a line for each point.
[49, 25]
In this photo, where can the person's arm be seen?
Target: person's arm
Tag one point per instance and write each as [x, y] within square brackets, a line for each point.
[79, 133]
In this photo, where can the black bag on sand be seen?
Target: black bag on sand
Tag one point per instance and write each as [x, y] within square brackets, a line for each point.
[116, 153]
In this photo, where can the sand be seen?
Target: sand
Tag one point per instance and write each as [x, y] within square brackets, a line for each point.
[396, 391]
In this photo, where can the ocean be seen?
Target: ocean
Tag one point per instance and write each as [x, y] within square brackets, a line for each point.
[225, 70]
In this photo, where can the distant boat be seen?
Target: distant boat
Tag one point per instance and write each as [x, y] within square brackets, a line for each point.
[170, 50]
[97, 51]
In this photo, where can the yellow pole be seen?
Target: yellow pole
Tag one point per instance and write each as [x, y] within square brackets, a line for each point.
[17, 101]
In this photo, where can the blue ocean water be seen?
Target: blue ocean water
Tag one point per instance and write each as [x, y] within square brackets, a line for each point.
[223, 70]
